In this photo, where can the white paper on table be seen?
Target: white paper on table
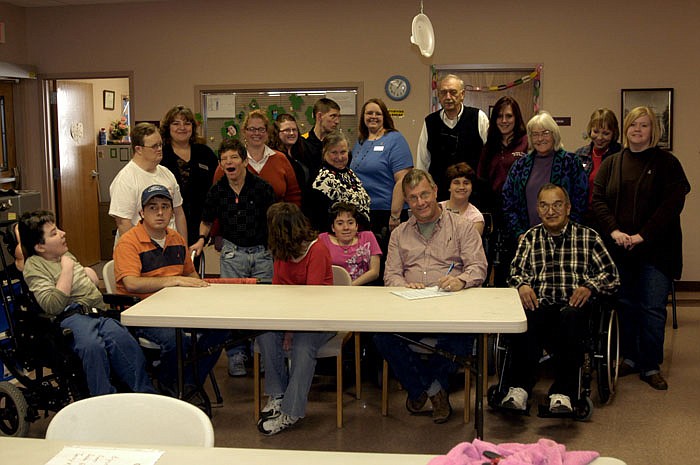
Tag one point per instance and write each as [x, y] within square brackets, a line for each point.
[426, 293]
[78, 455]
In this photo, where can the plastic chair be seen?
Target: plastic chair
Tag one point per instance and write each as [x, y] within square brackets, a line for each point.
[108, 277]
[332, 348]
[133, 418]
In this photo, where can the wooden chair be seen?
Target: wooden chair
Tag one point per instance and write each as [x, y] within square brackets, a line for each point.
[431, 342]
[332, 348]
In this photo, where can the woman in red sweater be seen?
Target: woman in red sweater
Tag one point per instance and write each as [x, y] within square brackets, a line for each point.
[300, 258]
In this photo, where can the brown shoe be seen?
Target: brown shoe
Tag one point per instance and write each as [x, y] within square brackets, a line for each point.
[656, 381]
[441, 406]
[624, 369]
[415, 406]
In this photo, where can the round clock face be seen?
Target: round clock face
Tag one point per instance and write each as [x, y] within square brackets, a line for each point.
[397, 87]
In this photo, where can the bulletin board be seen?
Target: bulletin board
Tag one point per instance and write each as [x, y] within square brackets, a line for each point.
[222, 109]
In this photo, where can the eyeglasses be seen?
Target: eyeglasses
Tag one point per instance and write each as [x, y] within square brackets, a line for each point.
[289, 131]
[155, 147]
[424, 196]
[537, 135]
[262, 130]
[557, 206]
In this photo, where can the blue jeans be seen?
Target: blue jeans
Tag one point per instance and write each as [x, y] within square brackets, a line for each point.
[244, 262]
[105, 347]
[295, 383]
[642, 299]
[415, 374]
[165, 338]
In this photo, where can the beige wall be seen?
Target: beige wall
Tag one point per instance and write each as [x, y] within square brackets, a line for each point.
[589, 53]
[103, 117]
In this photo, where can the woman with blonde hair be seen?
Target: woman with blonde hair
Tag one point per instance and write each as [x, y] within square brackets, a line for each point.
[638, 197]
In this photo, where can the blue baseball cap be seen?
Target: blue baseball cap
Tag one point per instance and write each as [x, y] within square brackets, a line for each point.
[156, 190]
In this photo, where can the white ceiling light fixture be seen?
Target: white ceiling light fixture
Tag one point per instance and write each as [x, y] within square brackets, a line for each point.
[422, 33]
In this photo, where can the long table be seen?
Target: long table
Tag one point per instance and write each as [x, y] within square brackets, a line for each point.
[335, 308]
[39, 451]
[28, 451]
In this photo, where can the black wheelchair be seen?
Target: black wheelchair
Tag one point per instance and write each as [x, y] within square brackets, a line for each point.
[37, 352]
[600, 359]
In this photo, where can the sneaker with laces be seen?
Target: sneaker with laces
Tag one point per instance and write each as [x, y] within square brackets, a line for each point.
[272, 408]
[274, 425]
[516, 399]
[236, 364]
[559, 403]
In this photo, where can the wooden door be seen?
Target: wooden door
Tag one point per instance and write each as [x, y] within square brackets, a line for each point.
[7, 126]
[76, 183]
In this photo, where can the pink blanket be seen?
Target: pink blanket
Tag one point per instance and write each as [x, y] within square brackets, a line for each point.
[543, 452]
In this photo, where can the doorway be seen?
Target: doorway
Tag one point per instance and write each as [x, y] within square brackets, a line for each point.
[77, 109]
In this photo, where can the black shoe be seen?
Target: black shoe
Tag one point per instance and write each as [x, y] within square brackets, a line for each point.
[625, 369]
[656, 381]
[415, 406]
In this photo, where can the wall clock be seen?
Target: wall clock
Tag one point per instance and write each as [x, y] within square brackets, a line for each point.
[397, 87]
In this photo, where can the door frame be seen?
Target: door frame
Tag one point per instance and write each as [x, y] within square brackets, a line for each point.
[48, 115]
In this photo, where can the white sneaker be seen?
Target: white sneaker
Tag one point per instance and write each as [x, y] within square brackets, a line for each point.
[559, 403]
[276, 424]
[236, 364]
[516, 399]
[272, 408]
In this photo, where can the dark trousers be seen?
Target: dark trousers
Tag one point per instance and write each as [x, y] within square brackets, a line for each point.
[561, 331]
[416, 374]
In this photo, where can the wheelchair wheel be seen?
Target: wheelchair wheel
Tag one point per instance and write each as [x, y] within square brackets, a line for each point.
[607, 357]
[13, 411]
[583, 409]
[499, 354]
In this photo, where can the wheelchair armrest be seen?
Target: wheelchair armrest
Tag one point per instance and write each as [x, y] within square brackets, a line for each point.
[120, 301]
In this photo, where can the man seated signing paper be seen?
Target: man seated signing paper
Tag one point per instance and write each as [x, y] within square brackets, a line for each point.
[433, 248]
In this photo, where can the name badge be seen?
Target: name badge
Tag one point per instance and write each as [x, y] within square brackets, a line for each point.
[378, 148]
[203, 167]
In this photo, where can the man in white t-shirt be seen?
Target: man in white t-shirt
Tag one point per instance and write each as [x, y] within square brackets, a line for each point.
[142, 171]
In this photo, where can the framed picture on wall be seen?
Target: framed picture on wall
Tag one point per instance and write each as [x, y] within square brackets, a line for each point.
[660, 100]
[108, 99]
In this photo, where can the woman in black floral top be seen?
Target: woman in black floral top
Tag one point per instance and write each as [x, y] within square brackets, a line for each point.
[336, 182]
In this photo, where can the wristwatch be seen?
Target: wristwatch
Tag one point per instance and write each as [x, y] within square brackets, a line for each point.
[395, 218]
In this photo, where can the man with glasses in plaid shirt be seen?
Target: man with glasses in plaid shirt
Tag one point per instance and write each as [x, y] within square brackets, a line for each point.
[558, 267]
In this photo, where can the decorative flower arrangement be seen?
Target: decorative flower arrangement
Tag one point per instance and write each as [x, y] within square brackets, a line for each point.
[118, 129]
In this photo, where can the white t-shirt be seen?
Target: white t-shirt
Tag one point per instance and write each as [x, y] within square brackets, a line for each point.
[128, 185]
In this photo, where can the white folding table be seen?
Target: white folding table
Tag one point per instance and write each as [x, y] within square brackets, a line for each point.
[335, 308]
